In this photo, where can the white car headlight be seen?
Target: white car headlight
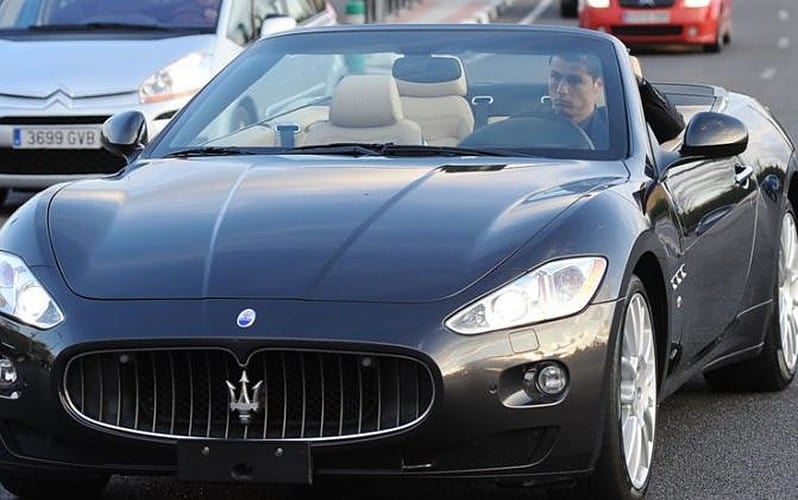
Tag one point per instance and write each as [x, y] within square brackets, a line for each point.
[598, 4]
[22, 296]
[182, 78]
[552, 291]
[697, 3]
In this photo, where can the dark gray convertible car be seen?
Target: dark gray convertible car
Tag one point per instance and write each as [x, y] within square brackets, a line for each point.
[398, 251]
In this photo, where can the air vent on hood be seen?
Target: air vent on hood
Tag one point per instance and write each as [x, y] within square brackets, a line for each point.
[453, 169]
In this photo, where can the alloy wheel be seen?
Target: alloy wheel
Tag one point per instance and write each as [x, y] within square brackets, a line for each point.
[788, 292]
[638, 390]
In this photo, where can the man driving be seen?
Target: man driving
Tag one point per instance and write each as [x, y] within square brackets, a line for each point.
[576, 87]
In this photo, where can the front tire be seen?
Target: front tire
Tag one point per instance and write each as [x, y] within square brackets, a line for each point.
[623, 469]
[774, 368]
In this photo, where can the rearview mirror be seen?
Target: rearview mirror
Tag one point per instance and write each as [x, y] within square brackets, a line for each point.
[714, 135]
[277, 24]
[125, 134]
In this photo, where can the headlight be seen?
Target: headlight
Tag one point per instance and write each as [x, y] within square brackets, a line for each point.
[552, 291]
[22, 296]
[598, 4]
[182, 78]
[697, 3]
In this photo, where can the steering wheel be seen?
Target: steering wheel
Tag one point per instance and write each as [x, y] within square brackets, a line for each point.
[531, 129]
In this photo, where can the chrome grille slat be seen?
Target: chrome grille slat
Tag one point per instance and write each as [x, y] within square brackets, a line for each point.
[304, 395]
[266, 399]
[379, 395]
[285, 394]
[323, 397]
[190, 394]
[154, 392]
[138, 400]
[82, 386]
[210, 395]
[100, 378]
[227, 413]
[118, 394]
[341, 395]
[360, 399]
[174, 393]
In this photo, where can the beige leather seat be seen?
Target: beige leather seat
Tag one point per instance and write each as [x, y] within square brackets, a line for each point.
[365, 108]
[433, 91]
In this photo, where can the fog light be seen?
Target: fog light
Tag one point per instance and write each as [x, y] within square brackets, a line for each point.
[8, 372]
[692, 31]
[552, 379]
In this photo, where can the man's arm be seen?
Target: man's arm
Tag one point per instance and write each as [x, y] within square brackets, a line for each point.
[660, 113]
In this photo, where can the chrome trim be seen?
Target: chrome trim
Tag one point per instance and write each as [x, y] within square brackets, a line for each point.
[79, 417]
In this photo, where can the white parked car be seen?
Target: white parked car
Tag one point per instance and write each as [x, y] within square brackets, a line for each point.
[67, 65]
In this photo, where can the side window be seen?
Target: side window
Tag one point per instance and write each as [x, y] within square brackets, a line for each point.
[240, 28]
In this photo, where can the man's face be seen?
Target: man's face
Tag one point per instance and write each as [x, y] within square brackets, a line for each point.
[573, 91]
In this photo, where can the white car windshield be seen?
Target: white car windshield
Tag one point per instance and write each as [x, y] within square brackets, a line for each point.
[100, 14]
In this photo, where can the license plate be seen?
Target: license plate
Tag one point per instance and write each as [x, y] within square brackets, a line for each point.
[647, 17]
[57, 137]
[244, 462]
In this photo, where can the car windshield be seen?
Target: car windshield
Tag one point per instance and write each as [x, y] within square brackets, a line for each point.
[107, 14]
[508, 91]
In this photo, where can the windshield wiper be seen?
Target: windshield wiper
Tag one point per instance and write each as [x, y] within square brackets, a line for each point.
[423, 150]
[340, 148]
[210, 151]
[391, 149]
[98, 26]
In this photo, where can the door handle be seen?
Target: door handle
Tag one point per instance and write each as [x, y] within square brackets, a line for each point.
[741, 174]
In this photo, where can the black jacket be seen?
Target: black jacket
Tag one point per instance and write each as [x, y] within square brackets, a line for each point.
[660, 113]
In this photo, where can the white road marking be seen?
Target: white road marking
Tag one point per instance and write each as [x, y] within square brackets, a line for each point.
[536, 12]
[768, 74]
[784, 42]
[784, 15]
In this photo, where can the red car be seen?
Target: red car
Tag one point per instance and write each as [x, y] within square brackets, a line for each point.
[697, 22]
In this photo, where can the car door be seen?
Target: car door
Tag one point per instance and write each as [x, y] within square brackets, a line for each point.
[715, 201]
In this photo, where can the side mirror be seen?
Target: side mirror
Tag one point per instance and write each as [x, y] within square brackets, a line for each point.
[714, 135]
[277, 24]
[125, 134]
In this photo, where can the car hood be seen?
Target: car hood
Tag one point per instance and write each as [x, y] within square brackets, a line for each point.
[357, 230]
[44, 66]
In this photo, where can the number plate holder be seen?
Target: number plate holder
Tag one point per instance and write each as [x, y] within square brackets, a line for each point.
[244, 461]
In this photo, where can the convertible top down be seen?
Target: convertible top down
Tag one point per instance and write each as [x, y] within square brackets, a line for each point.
[407, 263]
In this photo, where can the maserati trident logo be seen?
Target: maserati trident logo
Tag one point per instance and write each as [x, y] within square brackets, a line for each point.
[247, 402]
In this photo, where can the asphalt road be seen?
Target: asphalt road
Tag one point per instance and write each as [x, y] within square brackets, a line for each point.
[709, 445]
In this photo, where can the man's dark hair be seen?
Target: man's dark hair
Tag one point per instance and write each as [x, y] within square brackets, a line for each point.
[589, 61]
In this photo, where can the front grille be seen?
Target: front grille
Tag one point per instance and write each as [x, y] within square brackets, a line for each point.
[651, 4]
[58, 161]
[647, 30]
[305, 395]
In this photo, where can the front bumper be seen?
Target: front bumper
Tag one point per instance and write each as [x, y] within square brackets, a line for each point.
[698, 26]
[40, 168]
[470, 430]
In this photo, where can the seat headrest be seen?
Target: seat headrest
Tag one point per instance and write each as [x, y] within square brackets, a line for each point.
[366, 101]
[435, 76]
